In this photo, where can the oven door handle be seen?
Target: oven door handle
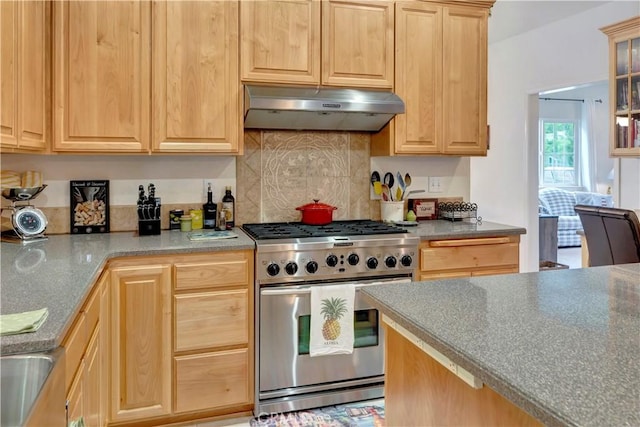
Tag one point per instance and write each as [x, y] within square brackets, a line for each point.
[301, 290]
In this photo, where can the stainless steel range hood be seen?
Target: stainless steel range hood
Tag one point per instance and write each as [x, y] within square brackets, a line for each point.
[273, 107]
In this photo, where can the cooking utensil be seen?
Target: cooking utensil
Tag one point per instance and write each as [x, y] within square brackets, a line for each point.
[386, 193]
[414, 192]
[398, 194]
[388, 179]
[377, 188]
[400, 181]
[407, 183]
[375, 181]
[316, 213]
[375, 176]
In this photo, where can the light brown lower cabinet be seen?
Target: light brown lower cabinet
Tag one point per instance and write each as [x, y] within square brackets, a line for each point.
[480, 256]
[421, 391]
[161, 340]
[140, 340]
[84, 385]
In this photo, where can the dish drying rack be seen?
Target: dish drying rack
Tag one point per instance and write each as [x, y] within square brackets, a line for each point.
[457, 211]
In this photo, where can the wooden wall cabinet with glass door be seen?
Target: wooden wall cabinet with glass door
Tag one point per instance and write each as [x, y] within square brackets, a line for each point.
[624, 87]
[441, 74]
[281, 42]
[24, 74]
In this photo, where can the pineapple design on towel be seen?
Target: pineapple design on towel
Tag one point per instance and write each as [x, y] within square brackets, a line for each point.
[333, 309]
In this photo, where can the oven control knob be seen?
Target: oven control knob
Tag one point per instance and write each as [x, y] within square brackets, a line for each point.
[372, 263]
[312, 267]
[291, 268]
[332, 260]
[390, 261]
[406, 260]
[353, 259]
[273, 269]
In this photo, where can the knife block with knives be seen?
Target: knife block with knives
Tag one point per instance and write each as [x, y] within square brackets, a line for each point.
[148, 211]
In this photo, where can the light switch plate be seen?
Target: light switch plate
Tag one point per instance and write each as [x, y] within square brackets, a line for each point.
[435, 184]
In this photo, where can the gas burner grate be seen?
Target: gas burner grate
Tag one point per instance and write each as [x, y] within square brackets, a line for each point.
[295, 230]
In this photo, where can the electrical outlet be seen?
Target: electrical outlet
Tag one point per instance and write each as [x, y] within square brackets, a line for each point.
[435, 184]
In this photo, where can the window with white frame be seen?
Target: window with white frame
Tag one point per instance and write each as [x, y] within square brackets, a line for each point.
[559, 164]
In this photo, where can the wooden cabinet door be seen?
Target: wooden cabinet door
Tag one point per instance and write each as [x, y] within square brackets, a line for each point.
[9, 74]
[102, 74]
[25, 52]
[210, 380]
[140, 341]
[75, 400]
[104, 354]
[197, 95]
[280, 41]
[93, 387]
[464, 98]
[357, 43]
[418, 78]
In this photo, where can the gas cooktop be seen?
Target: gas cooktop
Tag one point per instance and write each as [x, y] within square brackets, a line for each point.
[296, 230]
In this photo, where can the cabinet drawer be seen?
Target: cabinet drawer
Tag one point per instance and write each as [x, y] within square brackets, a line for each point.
[207, 381]
[74, 345]
[228, 269]
[445, 255]
[211, 319]
[92, 312]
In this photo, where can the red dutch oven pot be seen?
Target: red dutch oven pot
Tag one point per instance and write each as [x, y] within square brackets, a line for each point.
[316, 213]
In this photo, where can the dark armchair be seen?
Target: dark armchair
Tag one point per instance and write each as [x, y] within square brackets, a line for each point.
[612, 234]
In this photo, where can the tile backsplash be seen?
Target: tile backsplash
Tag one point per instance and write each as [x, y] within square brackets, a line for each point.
[282, 170]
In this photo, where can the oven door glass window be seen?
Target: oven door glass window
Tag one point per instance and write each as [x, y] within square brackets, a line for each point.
[365, 330]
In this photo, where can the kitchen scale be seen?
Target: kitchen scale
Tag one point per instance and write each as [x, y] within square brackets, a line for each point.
[28, 222]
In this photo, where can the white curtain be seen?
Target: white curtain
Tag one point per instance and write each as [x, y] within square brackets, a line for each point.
[588, 146]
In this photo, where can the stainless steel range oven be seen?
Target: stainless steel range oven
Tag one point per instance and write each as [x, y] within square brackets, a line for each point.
[290, 259]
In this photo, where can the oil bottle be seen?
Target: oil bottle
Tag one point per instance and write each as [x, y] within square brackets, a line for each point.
[210, 210]
[228, 204]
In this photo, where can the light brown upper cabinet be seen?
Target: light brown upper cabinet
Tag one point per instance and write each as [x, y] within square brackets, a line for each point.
[24, 75]
[280, 41]
[624, 87]
[332, 42]
[196, 97]
[441, 75]
[102, 76]
[110, 54]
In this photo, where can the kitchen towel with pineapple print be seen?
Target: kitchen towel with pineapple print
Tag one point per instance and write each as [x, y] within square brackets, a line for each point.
[331, 320]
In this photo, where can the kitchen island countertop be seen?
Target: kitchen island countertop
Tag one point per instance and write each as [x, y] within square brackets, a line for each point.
[58, 273]
[563, 345]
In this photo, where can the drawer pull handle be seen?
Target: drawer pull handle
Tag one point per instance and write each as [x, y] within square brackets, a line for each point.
[469, 242]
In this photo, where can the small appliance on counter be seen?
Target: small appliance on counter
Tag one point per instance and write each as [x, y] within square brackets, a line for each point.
[148, 211]
[27, 221]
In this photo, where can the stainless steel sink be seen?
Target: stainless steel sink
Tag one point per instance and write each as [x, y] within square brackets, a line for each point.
[22, 376]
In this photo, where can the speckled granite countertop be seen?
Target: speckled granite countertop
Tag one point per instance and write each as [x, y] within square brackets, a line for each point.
[443, 229]
[58, 273]
[564, 345]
